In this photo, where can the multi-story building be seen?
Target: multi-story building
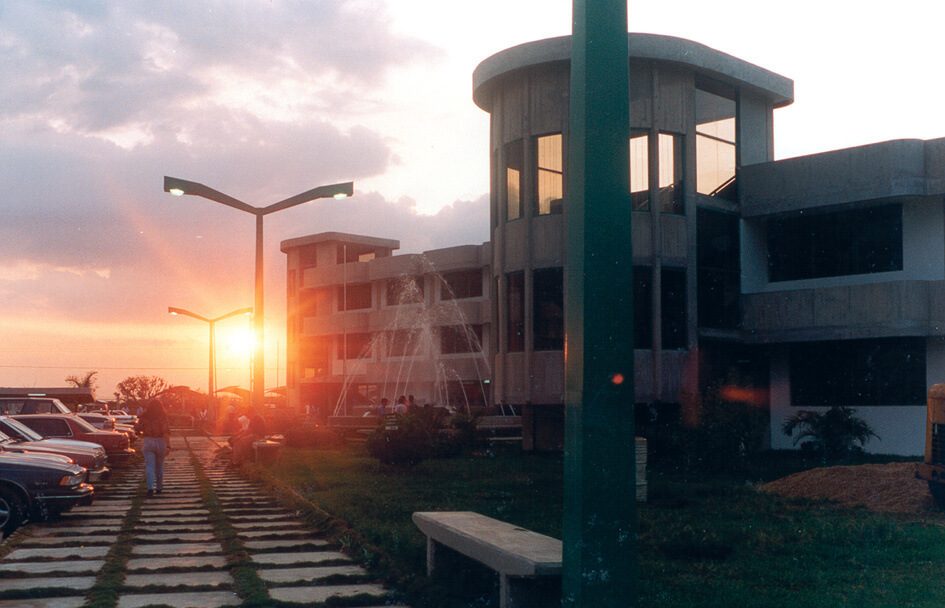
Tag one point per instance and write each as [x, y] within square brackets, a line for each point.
[814, 280]
[365, 325]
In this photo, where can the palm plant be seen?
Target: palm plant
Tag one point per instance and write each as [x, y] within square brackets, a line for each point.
[835, 433]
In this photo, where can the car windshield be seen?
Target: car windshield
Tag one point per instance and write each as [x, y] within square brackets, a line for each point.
[17, 428]
[87, 427]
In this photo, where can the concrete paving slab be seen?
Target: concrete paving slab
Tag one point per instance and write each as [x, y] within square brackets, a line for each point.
[177, 549]
[188, 561]
[85, 566]
[307, 575]
[77, 583]
[69, 531]
[46, 541]
[174, 513]
[300, 557]
[187, 537]
[286, 533]
[49, 602]
[196, 599]
[255, 525]
[168, 519]
[292, 543]
[184, 579]
[172, 528]
[322, 593]
[57, 553]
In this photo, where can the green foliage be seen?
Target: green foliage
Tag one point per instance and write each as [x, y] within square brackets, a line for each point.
[140, 388]
[86, 380]
[427, 433]
[835, 434]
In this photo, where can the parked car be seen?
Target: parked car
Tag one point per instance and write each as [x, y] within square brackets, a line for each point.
[32, 405]
[116, 444]
[36, 486]
[120, 416]
[17, 437]
[107, 422]
[99, 421]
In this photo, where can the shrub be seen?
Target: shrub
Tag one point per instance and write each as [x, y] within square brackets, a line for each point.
[835, 433]
[425, 433]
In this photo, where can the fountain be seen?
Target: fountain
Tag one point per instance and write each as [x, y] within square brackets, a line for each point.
[428, 350]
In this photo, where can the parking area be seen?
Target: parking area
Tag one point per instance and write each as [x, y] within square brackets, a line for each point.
[210, 539]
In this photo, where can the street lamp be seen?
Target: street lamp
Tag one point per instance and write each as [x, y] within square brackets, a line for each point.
[180, 187]
[181, 311]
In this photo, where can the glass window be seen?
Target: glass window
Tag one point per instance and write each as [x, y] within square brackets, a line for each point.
[550, 174]
[516, 311]
[358, 346]
[642, 307]
[461, 284]
[673, 317]
[639, 172]
[671, 173]
[715, 145]
[514, 164]
[885, 371]
[354, 297]
[717, 255]
[466, 393]
[307, 256]
[404, 343]
[460, 339]
[861, 241]
[404, 290]
[315, 355]
[548, 314]
[348, 253]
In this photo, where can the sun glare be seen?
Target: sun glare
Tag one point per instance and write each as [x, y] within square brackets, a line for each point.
[239, 341]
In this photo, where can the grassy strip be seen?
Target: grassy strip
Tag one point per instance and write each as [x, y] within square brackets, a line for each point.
[105, 592]
[247, 583]
[336, 530]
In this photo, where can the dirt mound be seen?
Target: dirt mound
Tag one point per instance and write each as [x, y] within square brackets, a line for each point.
[885, 488]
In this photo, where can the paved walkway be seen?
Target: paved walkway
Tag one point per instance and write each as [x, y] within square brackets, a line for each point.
[181, 548]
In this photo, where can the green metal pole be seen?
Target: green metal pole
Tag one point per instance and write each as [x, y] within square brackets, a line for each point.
[599, 503]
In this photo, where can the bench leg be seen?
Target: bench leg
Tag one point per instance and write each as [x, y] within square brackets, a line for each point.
[431, 556]
[504, 592]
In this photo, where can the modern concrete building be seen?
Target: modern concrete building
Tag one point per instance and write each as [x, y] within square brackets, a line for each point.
[815, 280]
[364, 324]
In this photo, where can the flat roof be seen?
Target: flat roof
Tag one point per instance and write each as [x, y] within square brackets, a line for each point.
[339, 237]
[705, 60]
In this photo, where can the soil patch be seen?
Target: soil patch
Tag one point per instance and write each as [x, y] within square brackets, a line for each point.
[884, 488]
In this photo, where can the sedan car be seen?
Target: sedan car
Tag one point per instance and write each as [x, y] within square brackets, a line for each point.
[32, 405]
[36, 486]
[17, 437]
[99, 421]
[67, 426]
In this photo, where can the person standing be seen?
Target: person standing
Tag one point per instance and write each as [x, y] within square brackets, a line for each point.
[156, 443]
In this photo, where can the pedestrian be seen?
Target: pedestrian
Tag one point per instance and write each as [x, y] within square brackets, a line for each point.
[382, 409]
[401, 407]
[156, 431]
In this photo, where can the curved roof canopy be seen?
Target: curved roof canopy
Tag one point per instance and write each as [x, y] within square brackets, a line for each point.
[669, 49]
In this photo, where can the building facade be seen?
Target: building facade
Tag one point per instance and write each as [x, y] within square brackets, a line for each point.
[810, 282]
[364, 324]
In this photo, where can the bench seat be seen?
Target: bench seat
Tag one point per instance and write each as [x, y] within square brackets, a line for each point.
[515, 553]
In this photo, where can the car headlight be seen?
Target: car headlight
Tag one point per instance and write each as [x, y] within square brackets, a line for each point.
[72, 480]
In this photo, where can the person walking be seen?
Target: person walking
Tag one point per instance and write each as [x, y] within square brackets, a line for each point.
[156, 432]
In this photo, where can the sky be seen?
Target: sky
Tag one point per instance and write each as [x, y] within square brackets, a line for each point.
[266, 99]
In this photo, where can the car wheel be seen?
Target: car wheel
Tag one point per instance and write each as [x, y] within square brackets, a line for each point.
[11, 511]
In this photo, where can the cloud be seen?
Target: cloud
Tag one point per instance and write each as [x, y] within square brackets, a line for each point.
[92, 68]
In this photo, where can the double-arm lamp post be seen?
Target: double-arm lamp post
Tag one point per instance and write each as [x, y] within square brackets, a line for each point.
[211, 388]
[180, 187]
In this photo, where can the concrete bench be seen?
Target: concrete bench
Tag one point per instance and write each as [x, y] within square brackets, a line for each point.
[528, 563]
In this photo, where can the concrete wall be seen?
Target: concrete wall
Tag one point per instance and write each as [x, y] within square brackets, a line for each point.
[901, 428]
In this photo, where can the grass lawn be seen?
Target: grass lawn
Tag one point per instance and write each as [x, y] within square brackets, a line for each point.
[703, 541]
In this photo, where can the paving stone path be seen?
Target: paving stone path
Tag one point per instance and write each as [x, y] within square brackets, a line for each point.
[171, 548]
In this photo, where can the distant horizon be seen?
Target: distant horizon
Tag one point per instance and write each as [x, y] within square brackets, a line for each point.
[253, 101]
